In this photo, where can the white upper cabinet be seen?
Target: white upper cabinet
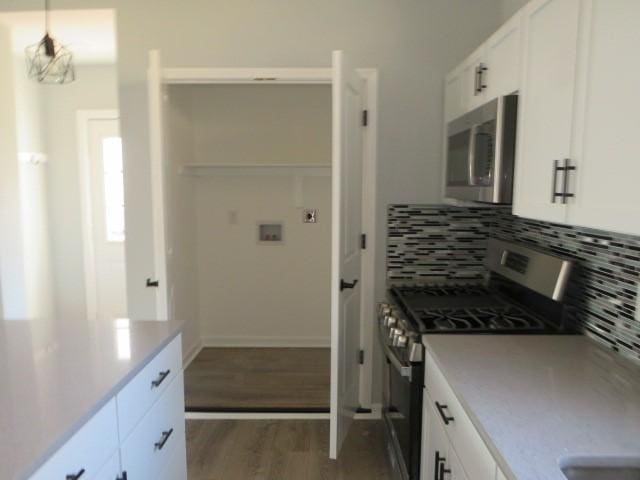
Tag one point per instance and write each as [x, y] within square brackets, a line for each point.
[502, 60]
[579, 107]
[546, 104]
[607, 142]
[490, 71]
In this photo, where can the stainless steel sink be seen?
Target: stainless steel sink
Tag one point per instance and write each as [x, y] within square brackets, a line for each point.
[601, 468]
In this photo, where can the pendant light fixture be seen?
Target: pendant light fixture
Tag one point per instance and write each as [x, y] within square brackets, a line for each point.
[48, 61]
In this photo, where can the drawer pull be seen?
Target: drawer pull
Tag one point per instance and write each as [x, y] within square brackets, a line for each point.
[75, 476]
[165, 436]
[441, 410]
[443, 470]
[161, 376]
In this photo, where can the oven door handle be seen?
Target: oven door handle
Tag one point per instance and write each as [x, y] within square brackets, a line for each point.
[403, 370]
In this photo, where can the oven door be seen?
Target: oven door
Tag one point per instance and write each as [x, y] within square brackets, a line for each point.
[402, 414]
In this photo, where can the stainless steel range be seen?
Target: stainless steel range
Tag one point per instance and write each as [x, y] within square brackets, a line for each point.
[522, 295]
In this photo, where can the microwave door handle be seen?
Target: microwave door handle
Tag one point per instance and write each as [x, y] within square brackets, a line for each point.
[473, 133]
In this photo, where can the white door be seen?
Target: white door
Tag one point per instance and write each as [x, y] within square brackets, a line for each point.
[153, 285]
[346, 230]
[107, 233]
[473, 85]
[546, 106]
[435, 443]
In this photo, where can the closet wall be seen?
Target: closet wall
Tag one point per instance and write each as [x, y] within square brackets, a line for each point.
[245, 292]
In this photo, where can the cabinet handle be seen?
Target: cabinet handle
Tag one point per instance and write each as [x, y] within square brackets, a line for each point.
[555, 194]
[481, 69]
[441, 410]
[75, 476]
[436, 469]
[122, 477]
[165, 436]
[346, 285]
[565, 181]
[161, 377]
[443, 470]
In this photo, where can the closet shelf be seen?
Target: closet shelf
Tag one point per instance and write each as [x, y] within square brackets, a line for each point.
[281, 169]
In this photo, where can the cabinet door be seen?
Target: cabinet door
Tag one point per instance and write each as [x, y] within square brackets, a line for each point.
[453, 107]
[435, 443]
[546, 105]
[607, 146]
[502, 76]
[111, 470]
[455, 466]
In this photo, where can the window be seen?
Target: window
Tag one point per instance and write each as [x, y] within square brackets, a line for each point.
[113, 188]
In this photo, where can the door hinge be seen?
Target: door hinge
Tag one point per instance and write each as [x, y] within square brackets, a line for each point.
[361, 357]
[363, 241]
[365, 118]
[152, 283]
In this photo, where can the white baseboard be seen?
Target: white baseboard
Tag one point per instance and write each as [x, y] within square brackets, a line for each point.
[189, 355]
[274, 342]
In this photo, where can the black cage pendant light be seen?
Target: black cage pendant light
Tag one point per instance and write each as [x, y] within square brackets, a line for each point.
[48, 61]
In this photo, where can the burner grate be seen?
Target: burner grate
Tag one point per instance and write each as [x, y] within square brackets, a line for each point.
[494, 319]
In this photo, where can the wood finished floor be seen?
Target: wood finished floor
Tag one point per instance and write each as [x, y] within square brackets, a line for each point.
[258, 379]
[283, 450]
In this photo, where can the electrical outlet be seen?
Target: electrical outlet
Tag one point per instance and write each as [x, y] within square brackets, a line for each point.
[310, 215]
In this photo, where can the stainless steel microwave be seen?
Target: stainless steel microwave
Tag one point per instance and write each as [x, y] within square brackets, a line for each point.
[480, 153]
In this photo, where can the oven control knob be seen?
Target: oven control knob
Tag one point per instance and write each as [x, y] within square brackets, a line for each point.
[401, 341]
[391, 321]
[393, 333]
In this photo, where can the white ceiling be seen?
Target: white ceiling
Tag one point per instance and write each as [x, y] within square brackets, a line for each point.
[89, 34]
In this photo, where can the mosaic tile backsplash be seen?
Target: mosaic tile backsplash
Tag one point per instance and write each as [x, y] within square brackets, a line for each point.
[442, 243]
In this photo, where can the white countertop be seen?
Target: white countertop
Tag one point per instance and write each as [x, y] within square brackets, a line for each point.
[538, 399]
[54, 375]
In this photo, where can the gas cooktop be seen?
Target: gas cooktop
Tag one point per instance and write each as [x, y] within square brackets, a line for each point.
[465, 309]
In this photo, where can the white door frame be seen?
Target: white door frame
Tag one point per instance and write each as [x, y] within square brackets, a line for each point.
[83, 117]
[310, 76]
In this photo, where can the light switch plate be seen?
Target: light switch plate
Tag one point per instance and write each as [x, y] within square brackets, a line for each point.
[310, 215]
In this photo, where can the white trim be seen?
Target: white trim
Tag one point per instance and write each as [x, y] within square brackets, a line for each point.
[369, 208]
[318, 76]
[266, 342]
[254, 416]
[83, 117]
[246, 75]
[191, 354]
[269, 170]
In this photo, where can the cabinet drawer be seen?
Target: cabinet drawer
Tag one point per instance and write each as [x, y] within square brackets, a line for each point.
[147, 451]
[474, 454]
[111, 470]
[177, 467]
[137, 397]
[88, 449]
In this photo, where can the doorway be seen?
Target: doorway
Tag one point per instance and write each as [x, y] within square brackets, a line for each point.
[102, 195]
[249, 215]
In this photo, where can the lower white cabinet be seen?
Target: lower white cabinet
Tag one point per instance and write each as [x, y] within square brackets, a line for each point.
[147, 451]
[111, 471]
[86, 451]
[152, 446]
[452, 448]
